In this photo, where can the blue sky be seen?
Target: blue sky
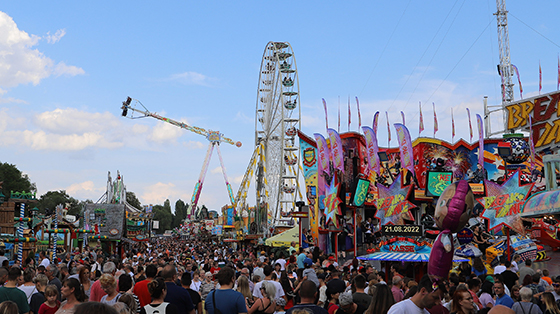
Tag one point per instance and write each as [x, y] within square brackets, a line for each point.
[66, 66]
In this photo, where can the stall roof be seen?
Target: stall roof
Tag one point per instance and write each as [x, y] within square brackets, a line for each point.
[541, 204]
[285, 238]
[403, 257]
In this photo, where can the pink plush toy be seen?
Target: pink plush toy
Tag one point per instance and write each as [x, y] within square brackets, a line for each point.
[453, 210]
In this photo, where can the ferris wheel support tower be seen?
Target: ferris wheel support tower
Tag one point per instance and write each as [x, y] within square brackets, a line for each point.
[505, 70]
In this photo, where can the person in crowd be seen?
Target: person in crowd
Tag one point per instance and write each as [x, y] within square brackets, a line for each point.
[525, 305]
[382, 299]
[347, 305]
[280, 304]
[225, 299]
[308, 271]
[141, 288]
[266, 303]
[515, 293]
[38, 297]
[28, 286]
[486, 296]
[501, 297]
[10, 292]
[124, 286]
[308, 294]
[509, 277]
[95, 308]
[526, 269]
[84, 279]
[130, 302]
[360, 297]
[158, 291]
[186, 283]
[196, 283]
[51, 304]
[550, 305]
[109, 286]
[207, 285]
[96, 291]
[473, 287]
[396, 289]
[268, 278]
[176, 294]
[463, 301]
[73, 294]
[43, 257]
[9, 307]
[426, 297]
[478, 267]
[332, 305]
[245, 290]
[52, 273]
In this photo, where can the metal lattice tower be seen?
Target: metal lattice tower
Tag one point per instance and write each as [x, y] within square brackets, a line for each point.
[505, 67]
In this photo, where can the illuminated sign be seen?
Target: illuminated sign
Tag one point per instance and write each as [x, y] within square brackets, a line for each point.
[401, 248]
[437, 181]
[402, 230]
[545, 118]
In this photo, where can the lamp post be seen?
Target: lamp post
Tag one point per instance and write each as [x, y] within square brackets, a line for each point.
[504, 151]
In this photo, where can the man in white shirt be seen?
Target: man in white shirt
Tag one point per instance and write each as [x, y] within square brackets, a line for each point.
[44, 260]
[281, 261]
[96, 267]
[426, 297]
[268, 277]
[500, 268]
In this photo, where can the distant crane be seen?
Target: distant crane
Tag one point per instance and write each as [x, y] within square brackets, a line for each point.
[214, 137]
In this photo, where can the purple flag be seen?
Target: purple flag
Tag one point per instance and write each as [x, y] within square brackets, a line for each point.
[375, 121]
[480, 141]
[323, 152]
[405, 147]
[372, 149]
[326, 115]
[337, 150]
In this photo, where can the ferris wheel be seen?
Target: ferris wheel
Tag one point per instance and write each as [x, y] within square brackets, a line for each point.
[277, 119]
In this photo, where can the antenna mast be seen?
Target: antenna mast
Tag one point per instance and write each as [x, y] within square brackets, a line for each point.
[505, 70]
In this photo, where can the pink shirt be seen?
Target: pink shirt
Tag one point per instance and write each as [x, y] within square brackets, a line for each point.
[96, 292]
[397, 294]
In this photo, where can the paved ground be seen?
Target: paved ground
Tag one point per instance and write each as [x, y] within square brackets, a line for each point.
[553, 265]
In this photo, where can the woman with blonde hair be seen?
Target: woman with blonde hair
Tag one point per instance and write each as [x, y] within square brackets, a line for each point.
[245, 290]
[265, 304]
[550, 304]
[109, 285]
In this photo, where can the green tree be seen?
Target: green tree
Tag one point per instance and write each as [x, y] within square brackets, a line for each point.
[48, 202]
[180, 213]
[164, 216]
[14, 180]
[133, 200]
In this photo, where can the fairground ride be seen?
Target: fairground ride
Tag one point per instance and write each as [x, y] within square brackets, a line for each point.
[277, 118]
[215, 138]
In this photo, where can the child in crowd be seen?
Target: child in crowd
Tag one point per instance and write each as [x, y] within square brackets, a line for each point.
[51, 304]
[280, 304]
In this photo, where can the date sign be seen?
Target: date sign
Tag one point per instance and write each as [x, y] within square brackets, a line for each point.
[402, 230]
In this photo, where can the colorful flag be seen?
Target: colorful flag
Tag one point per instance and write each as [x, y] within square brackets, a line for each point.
[405, 147]
[349, 114]
[452, 127]
[375, 121]
[518, 81]
[540, 77]
[326, 115]
[323, 154]
[388, 129]
[435, 119]
[372, 149]
[402, 115]
[421, 123]
[558, 81]
[359, 115]
[470, 125]
[531, 143]
[337, 151]
[338, 128]
[480, 141]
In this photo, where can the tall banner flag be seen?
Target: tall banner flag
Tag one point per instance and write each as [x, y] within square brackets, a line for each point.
[375, 121]
[518, 81]
[338, 128]
[405, 147]
[558, 80]
[421, 123]
[326, 115]
[337, 150]
[323, 154]
[470, 125]
[480, 141]
[349, 114]
[402, 115]
[388, 129]
[531, 143]
[435, 119]
[452, 127]
[540, 77]
[359, 115]
[372, 149]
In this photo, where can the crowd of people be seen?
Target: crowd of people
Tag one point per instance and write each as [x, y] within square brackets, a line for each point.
[191, 276]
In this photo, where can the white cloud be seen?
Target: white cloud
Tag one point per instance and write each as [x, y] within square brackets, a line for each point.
[20, 63]
[159, 192]
[217, 170]
[51, 39]
[165, 132]
[195, 145]
[71, 120]
[191, 78]
[85, 190]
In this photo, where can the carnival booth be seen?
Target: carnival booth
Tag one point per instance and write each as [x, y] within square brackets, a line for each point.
[538, 207]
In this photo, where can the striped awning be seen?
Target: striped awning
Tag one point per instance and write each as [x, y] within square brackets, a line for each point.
[403, 257]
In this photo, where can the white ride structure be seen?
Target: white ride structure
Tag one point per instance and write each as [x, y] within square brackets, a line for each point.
[277, 119]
